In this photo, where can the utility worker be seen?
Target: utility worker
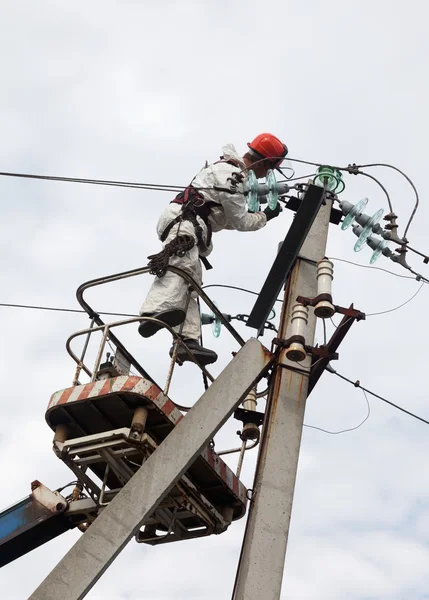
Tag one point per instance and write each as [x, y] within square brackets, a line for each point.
[213, 201]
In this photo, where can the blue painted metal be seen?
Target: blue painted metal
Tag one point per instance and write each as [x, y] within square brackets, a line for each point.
[26, 525]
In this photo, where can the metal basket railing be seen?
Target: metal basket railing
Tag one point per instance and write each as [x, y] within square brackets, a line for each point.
[97, 324]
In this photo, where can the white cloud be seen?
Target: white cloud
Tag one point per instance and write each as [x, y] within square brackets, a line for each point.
[140, 92]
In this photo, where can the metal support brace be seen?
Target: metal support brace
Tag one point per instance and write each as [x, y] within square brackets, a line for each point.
[87, 560]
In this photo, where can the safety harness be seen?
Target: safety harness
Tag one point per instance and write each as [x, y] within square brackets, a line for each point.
[193, 206]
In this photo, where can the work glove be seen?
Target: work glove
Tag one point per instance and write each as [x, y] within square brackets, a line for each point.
[270, 213]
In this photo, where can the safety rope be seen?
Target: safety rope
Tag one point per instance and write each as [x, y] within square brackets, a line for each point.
[158, 263]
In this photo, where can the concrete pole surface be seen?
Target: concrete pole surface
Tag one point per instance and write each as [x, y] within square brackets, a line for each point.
[260, 570]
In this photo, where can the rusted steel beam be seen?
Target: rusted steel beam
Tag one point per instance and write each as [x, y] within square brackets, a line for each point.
[339, 334]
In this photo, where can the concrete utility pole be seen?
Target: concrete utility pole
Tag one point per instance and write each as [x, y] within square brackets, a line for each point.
[260, 570]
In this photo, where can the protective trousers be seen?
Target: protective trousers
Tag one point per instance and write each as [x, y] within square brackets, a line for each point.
[171, 291]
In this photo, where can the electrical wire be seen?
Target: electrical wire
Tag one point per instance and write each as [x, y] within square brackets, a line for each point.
[347, 320]
[128, 184]
[60, 489]
[389, 202]
[413, 212]
[332, 321]
[297, 178]
[176, 188]
[123, 184]
[233, 287]
[324, 331]
[58, 309]
[372, 268]
[349, 429]
[305, 162]
[358, 384]
[384, 312]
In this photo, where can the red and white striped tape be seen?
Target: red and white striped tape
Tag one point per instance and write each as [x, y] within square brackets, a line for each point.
[143, 387]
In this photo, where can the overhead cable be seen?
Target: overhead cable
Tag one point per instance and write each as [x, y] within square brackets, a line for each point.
[409, 181]
[383, 312]
[127, 184]
[372, 268]
[389, 202]
[58, 309]
[358, 384]
[350, 428]
[219, 285]
[234, 287]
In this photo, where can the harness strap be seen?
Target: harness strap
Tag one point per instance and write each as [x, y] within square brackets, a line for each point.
[198, 231]
[164, 234]
[229, 161]
[193, 205]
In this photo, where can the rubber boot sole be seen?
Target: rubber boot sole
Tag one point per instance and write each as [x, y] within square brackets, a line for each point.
[204, 356]
[172, 317]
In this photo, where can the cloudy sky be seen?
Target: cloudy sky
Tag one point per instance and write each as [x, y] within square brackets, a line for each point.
[143, 92]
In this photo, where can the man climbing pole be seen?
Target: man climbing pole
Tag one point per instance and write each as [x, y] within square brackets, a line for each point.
[213, 201]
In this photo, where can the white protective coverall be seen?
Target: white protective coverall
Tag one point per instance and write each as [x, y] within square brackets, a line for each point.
[170, 291]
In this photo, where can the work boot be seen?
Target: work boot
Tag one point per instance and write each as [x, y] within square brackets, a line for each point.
[172, 317]
[203, 355]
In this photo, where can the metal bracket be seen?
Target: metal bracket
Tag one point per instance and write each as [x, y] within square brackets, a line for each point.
[293, 339]
[249, 416]
[350, 316]
[335, 217]
[348, 312]
[320, 351]
[53, 501]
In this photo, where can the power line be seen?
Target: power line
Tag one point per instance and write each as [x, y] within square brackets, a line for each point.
[219, 285]
[345, 430]
[58, 309]
[123, 184]
[128, 184]
[389, 202]
[234, 287]
[358, 384]
[384, 312]
[372, 268]
[413, 212]
[179, 188]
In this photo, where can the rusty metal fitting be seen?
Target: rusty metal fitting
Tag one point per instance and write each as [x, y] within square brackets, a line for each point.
[53, 501]
[61, 434]
[250, 432]
[250, 418]
[138, 423]
[295, 343]
[228, 514]
[322, 352]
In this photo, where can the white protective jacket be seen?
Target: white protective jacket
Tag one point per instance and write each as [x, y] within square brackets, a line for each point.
[229, 212]
[232, 210]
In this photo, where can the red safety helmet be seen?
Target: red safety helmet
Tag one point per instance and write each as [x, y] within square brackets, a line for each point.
[269, 146]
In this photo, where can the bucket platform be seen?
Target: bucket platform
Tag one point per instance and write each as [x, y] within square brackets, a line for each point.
[105, 430]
